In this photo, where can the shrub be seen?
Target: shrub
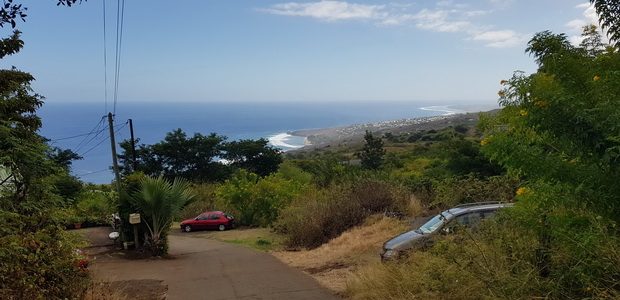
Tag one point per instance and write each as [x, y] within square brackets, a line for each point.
[95, 207]
[38, 259]
[204, 200]
[457, 190]
[256, 201]
[318, 216]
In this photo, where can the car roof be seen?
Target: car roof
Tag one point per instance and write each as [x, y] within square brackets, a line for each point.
[473, 207]
[217, 212]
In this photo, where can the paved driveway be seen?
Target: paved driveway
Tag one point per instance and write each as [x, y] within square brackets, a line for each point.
[207, 269]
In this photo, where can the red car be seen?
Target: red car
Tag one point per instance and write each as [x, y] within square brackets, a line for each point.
[209, 220]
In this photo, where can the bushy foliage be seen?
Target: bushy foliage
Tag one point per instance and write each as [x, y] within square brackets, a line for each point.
[561, 124]
[257, 201]
[39, 262]
[325, 170]
[559, 131]
[96, 207]
[458, 190]
[204, 200]
[320, 215]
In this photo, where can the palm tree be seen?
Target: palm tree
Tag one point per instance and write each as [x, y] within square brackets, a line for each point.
[609, 13]
[159, 200]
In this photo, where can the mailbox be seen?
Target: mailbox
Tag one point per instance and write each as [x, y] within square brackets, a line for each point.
[134, 218]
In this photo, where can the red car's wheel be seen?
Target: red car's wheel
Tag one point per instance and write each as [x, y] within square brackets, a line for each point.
[222, 227]
[187, 228]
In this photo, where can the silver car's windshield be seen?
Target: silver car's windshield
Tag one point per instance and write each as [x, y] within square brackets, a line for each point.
[432, 224]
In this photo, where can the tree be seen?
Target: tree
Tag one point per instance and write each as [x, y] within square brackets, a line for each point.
[159, 200]
[559, 133]
[609, 14]
[592, 42]
[192, 158]
[372, 153]
[63, 157]
[10, 11]
[37, 258]
[198, 158]
[255, 156]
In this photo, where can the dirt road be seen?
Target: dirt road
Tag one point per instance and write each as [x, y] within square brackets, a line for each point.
[202, 268]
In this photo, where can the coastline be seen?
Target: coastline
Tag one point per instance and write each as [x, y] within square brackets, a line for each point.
[353, 134]
[313, 138]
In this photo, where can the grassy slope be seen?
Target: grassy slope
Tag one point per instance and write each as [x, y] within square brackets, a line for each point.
[333, 263]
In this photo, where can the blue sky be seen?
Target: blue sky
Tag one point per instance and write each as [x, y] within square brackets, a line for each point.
[448, 52]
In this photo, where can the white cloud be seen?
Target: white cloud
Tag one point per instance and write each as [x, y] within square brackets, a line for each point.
[438, 20]
[329, 10]
[447, 16]
[500, 38]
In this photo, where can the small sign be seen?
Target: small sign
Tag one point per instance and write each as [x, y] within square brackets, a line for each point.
[134, 218]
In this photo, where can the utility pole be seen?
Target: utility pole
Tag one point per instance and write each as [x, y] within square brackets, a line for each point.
[114, 159]
[115, 165]
[133, 147]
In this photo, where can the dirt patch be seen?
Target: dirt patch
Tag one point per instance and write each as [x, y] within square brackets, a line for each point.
[333, 263]
[145, 289]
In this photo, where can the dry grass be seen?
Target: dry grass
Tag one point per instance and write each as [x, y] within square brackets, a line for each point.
[415, 207]
[332, 264]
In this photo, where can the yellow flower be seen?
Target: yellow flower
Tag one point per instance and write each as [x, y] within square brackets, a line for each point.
[523, 113]
[522, 191]
[484, 141]
[596, 78]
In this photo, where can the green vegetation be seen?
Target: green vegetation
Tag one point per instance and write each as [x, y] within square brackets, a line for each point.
[196, 158]
[318, 216]
[554, 147]
[262, 239]
[559, 135]
[37, 257]
[372, 154]
[159, 201]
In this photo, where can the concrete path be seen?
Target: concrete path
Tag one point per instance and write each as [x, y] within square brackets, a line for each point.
[207, 269]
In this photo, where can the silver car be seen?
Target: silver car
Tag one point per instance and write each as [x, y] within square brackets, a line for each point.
[462, 215]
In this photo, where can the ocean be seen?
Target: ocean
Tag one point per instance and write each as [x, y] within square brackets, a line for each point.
[63, 121]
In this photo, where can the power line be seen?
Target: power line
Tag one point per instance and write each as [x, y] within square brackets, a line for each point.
[105, 60]
[73, 136]
[96, 128]
[95, 137]
[93, 172]
[120, 126]
[120, 18]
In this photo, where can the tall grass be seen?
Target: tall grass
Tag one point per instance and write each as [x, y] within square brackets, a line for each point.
[502, 261]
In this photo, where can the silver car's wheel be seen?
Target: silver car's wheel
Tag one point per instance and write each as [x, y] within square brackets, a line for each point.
[222, 227]
[187, 228]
